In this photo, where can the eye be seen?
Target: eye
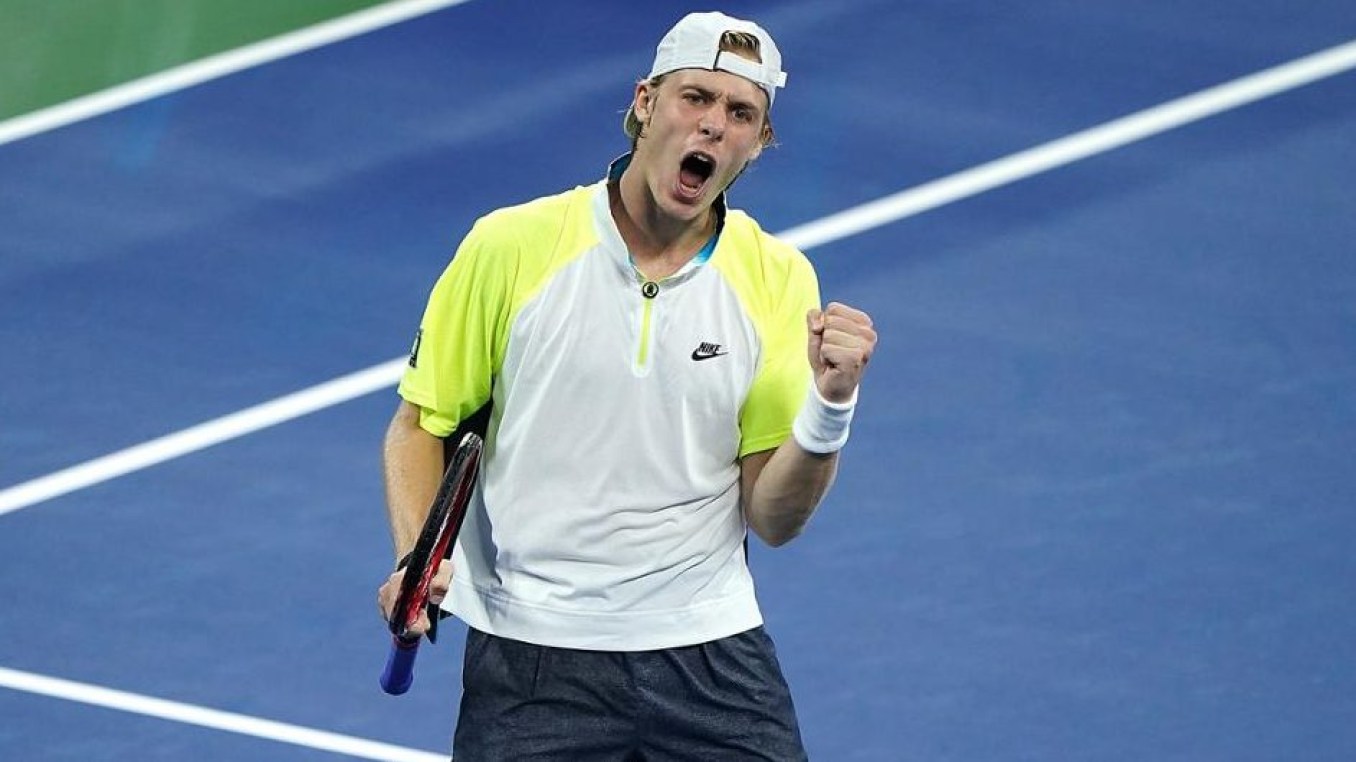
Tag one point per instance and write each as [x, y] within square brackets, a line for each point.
[694, 97]
[743, 114]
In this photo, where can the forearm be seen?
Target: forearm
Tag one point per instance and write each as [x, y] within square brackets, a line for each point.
[781, 490]
[413, 465]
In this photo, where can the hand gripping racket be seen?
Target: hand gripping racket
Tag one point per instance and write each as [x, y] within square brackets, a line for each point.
[433, 546]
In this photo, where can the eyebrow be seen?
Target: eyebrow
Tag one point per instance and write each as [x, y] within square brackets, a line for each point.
[734, 101]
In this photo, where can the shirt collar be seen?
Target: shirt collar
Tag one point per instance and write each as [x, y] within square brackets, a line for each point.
[614, 173]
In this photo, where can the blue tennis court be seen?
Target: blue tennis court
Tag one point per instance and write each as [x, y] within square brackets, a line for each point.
[1100, 501]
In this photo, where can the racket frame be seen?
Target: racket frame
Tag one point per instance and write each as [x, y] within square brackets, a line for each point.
[436, 538]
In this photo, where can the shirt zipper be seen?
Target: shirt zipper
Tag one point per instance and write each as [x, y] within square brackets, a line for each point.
[649, 291]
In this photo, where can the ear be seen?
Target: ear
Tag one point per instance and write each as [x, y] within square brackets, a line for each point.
[765, 138]
[642, 101]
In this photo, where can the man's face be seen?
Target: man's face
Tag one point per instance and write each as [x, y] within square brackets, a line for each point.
[702, 127]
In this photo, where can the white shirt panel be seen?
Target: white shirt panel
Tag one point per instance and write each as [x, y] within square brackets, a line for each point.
[614, 520]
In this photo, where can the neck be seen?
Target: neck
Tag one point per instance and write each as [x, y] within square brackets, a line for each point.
[660, 244]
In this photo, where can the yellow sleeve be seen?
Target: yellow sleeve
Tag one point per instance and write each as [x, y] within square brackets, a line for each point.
[464, 331]
[783, 375]
[778, 286]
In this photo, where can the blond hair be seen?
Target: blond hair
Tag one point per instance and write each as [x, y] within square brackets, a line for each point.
[739, 43]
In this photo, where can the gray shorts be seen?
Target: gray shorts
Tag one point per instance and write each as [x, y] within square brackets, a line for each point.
[723, 700]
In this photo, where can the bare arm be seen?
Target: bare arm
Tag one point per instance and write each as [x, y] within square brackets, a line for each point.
[413, 463]
[781, 488]
[412, 460]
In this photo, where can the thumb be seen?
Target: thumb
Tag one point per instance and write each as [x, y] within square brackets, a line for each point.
[814, 322]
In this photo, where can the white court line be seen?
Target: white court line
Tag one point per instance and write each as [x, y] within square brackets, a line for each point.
[1080, 145]
[211, 718]
[220, 65]
[1106, 137]
[202, 436]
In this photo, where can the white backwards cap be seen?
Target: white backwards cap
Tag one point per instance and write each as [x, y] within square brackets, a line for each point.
[694, 43]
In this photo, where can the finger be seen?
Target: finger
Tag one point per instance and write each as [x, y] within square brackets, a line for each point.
[814, 323]
[843, 359]
[441, 583]
[386, 594]
[838, 309]
[858, 324]
[814, 320]
[840, 328]
[837, 342]
[838, 325]
[421, 625]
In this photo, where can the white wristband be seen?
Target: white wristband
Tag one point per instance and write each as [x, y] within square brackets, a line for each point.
[822, 426]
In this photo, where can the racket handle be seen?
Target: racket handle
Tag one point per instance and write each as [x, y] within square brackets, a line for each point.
[399, 671]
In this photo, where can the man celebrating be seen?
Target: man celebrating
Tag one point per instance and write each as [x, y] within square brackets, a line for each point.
[660, 380]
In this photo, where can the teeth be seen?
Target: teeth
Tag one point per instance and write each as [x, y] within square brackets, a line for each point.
[700, 163]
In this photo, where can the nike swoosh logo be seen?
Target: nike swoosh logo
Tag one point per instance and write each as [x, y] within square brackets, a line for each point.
[699, 355]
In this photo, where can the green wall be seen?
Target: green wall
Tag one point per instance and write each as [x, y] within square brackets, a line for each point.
[55, 50]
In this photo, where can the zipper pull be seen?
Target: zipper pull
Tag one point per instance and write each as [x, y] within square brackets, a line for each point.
[649, 289]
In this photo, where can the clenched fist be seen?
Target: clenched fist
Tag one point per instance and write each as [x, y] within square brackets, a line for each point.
[841, 343]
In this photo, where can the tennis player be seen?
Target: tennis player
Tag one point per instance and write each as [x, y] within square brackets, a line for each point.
[661, 379]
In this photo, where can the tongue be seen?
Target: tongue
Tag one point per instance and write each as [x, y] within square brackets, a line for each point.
[691, 179]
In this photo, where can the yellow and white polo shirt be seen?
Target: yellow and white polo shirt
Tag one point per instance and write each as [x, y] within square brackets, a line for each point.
[607, 515]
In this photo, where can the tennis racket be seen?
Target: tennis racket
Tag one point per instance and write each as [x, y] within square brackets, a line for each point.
[433, 546]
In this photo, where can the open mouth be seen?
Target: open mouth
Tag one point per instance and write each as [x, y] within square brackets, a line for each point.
[695, 169]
